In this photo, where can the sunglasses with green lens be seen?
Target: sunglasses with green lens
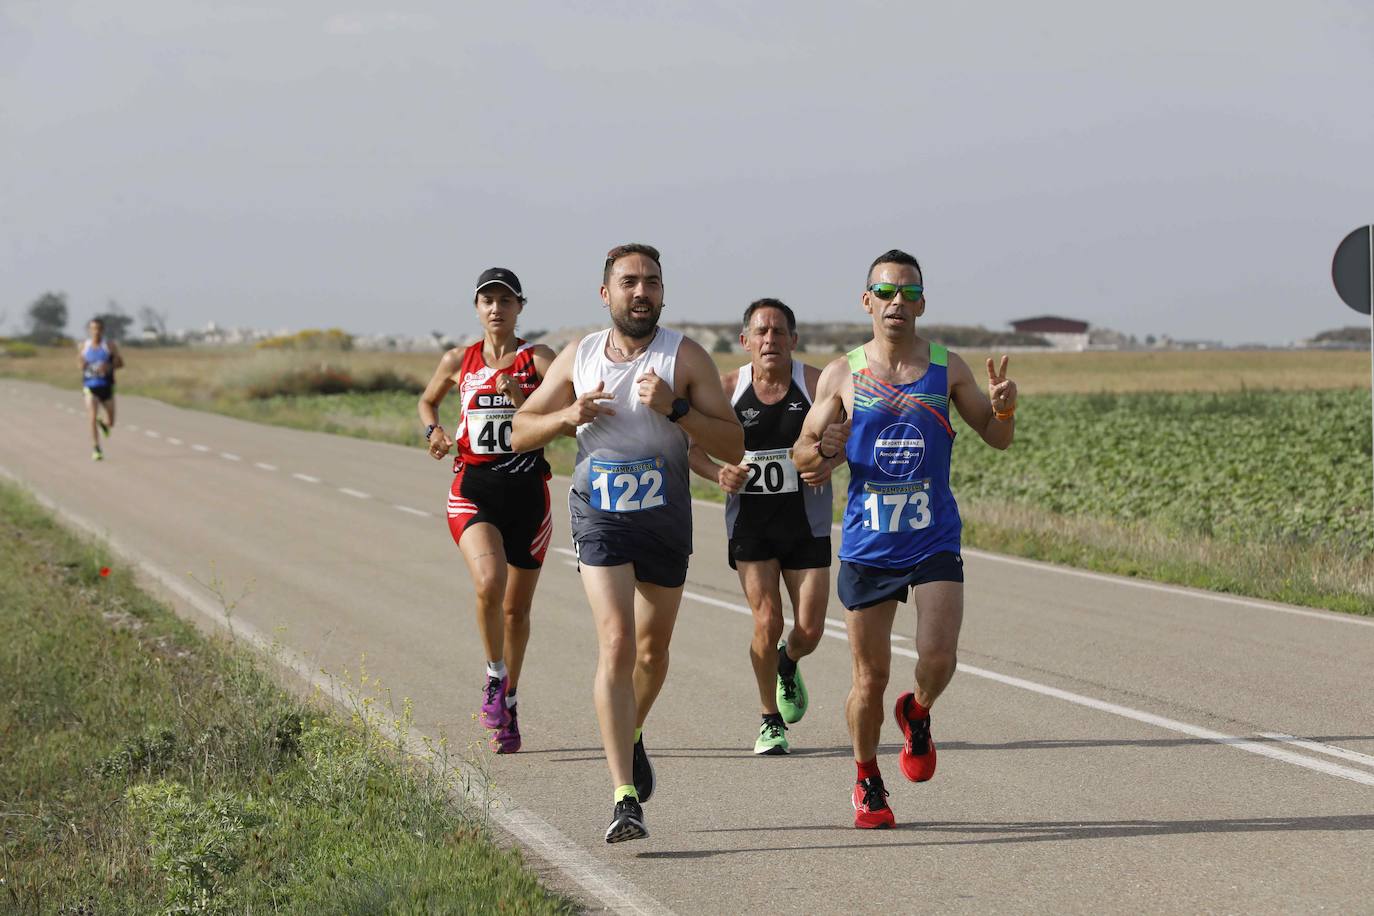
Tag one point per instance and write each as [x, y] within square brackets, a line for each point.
[887, 291]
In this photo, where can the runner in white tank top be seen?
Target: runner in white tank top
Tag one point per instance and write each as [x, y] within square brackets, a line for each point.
[632, 395]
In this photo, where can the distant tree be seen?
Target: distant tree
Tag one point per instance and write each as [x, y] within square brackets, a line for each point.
[48, 318]
[1355, 334]
[722, 345]
[150, 319]
[116, 321]
[1149, 340]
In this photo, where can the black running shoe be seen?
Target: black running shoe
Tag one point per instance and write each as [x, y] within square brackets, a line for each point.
[643, 772]
[627, 823]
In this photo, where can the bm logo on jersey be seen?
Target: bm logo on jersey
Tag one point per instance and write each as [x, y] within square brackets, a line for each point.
[493, 400]
[899, 450]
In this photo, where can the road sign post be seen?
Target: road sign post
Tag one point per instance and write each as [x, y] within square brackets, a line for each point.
[1352, 270]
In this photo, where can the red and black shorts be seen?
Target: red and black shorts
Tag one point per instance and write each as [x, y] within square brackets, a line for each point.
[517, 504]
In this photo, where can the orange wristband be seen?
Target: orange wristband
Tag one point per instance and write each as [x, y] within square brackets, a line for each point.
[1004, 416]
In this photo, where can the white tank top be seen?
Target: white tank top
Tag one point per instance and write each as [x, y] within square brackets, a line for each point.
[631, 478]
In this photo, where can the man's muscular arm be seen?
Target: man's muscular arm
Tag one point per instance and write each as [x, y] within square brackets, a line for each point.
[826, 427]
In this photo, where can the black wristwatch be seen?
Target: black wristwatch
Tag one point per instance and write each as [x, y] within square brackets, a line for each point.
[429, 430]
[680, 408]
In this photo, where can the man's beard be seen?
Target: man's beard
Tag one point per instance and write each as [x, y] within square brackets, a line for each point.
[635, 328]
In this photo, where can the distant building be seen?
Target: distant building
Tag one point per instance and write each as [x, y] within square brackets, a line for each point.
[1062, 333]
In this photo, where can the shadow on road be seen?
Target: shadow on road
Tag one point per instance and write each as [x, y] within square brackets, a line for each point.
[994, 832]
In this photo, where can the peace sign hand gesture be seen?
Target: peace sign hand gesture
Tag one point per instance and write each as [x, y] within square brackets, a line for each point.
[1001, 390]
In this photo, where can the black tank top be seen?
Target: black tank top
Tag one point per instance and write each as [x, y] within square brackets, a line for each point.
[764, 511]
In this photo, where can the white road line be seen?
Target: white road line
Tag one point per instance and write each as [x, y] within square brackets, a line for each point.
[1201, 594]
[356, 494]
[306, 477]
[419, 512]
[133, 428]
[201, 448]
[1330, 749]
[1078, 699]
[1175, 589]
[229, 456]
[265, 467]
[173, 440]
[152, 434]
[604, 884]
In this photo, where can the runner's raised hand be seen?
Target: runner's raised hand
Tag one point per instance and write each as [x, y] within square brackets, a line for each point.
[1001, 390]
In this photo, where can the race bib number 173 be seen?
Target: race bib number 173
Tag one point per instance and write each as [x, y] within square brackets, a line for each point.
[627, 486]
[895, 507]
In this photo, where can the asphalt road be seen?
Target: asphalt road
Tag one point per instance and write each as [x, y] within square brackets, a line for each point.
[1107, 745]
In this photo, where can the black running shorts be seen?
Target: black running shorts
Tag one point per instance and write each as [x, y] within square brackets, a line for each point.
[517, 504]
[652, 563]
[795, 553]
[864, 586]
[102, 393]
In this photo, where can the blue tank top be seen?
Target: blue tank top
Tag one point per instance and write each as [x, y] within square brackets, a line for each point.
[96, 355]
[900, 509]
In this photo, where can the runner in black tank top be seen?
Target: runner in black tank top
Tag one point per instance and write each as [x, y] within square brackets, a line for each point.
[778, 522]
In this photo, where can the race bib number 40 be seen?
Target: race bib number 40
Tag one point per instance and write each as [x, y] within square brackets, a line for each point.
[489, 431]
[627, 486]
[771, 471]
[896, 507]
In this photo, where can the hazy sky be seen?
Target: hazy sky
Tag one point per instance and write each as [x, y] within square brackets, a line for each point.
[1179, 168]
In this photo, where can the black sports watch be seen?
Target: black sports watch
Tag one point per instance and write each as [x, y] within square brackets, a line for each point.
[429, 430]
[680, 408]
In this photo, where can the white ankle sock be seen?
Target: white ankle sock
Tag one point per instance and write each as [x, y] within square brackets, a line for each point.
[496, 669]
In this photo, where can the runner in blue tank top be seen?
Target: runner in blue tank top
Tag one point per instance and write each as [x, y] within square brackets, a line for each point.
[99, 357]
[884, 408]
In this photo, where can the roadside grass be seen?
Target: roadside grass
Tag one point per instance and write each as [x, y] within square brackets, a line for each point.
[145, 768]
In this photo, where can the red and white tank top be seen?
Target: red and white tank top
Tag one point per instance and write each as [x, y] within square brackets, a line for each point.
[488, 416]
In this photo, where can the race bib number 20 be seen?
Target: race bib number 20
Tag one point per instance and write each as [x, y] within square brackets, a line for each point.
[771, 471]
[627, 486]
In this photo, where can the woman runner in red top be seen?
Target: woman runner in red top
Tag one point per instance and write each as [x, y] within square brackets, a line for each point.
[498, 506]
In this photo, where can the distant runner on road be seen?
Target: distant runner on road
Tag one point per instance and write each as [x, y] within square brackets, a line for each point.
[498, 505]
[884, 409]
[99, 358]
[777, 519]
[632, 394]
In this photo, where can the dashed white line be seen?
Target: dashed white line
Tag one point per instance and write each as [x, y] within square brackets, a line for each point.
[229, 456]
[306, 477]
[419, 512]
[174, 440]
[152, 434]
[264, 466]
[201, 448]
[133, 428]
[356, 494]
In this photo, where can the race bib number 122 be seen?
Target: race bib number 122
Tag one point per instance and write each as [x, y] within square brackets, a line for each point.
[627, 486]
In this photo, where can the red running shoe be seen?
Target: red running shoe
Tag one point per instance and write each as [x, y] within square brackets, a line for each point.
[918, 753]
[870, 805]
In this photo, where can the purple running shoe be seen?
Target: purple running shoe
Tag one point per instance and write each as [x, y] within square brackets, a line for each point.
[507, 737]
[494, 712]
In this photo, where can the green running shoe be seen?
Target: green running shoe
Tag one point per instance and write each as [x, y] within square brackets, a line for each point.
[791, 692]
[772, 740]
